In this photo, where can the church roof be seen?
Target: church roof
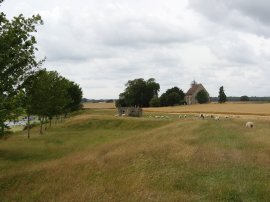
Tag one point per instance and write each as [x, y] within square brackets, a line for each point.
[193, 89]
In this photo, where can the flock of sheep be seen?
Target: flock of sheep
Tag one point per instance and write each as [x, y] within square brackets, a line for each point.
[249, 124]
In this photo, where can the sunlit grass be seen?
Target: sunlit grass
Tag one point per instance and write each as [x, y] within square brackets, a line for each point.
[95, 156]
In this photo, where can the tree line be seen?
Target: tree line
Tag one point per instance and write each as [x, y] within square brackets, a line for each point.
[144, 93]
[26, 88]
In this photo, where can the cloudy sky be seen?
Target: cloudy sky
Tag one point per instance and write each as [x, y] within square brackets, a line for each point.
[101, 44]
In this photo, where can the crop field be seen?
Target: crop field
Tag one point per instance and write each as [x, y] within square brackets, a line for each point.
[95, 156]
[262, 109]
[100, 105]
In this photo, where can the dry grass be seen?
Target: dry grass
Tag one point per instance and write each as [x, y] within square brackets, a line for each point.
[262, 109]
[149, 160]
[100, 105]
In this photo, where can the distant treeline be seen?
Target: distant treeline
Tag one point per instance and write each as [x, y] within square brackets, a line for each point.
[238, 99]
[98, 100]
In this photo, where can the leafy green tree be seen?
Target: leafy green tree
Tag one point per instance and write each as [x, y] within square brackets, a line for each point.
[17, 59]
[75, 94]
[138, 92]
[244, 98]
[202, 97]
[173, 96]
[222, 98]
[154, 102]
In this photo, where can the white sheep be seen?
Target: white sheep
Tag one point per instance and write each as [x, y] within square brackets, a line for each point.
[249, 124]
[217, 118]
[201, 116]
[185, 116]
[123, 114]
[179, 116]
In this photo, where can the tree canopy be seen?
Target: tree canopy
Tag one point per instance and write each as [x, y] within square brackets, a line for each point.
[173, 96]
[138, 92]
[17, 60]
[202, 97]
[222, 98]
[244, 98]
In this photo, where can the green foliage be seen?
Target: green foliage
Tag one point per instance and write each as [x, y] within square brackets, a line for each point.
[138, 92]
[222, 98]
[244, 98]
[17, 60]
[47, 94]
[173, 96]
[202, 97]
[154, 102]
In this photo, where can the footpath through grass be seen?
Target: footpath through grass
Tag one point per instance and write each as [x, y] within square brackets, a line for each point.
[95, 156]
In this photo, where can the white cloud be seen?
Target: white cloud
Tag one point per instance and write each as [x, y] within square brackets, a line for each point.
[101, 44]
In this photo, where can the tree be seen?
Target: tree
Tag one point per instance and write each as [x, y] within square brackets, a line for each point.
[222, 98]
[173, 96]
[17, 59]
[74, 97]
[202, 97]
[48, 95]
[154, 102]
[244, 98]
[138, 92]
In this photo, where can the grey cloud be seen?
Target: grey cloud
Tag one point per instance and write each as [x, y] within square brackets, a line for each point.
[246, 15]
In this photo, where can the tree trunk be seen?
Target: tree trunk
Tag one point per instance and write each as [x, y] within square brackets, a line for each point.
[45, 124]
[2, 129]
[28, 126]
[41, 122]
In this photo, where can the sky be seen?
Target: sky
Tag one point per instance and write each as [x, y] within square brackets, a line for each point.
[101, 44]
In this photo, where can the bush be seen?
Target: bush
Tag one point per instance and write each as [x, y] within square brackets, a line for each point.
[202, 97]
[244, 98]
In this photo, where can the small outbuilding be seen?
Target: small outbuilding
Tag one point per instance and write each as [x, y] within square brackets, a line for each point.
[191, 94]
[129, 111]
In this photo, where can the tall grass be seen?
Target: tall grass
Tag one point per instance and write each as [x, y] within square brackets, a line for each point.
[97, 157]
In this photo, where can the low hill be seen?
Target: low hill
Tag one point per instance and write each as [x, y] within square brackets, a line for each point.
[95, 156]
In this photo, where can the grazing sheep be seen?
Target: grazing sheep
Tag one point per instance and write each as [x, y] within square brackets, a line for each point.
[156, 117]
[249, 124]
[123, 114]
[185, 116]
[201, 116]
[226, 117]
[212, 116]
[217, 118]
[179, 116]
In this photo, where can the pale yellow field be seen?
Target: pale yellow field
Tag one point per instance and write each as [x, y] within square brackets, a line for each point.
[100, 105]
[262, 109]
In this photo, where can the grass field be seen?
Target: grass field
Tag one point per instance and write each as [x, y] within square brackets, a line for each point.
[95, 156]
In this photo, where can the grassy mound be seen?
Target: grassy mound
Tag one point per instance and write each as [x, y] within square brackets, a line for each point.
[95, 156]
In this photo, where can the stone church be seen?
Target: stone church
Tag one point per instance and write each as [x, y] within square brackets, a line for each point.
[190, 97]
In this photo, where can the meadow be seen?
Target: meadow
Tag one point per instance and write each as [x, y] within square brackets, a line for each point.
[95, 156]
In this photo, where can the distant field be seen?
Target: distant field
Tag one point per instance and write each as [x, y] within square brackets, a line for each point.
[101, 105]
[228, 108]
[95, 156]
